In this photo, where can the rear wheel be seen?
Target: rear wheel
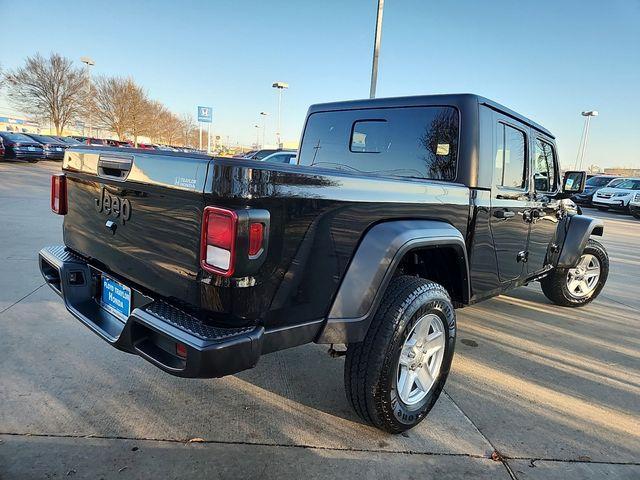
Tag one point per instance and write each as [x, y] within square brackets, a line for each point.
[395, 375]
[577, 286]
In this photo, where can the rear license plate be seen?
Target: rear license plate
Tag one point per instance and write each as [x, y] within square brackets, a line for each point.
[116, 298]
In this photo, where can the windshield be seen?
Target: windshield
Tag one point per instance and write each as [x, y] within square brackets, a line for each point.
[629, 185]
[598, 181]
[615, 183]
[44, 139]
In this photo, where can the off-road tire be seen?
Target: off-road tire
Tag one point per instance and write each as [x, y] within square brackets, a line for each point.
[554, 285]
[370, 373]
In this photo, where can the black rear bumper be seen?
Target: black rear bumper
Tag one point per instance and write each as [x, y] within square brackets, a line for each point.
[154, 327]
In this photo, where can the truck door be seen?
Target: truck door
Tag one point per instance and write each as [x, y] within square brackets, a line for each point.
[543, 206]
[509, 197]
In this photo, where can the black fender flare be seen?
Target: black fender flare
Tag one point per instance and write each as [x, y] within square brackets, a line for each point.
[573, 234]
[373, 266]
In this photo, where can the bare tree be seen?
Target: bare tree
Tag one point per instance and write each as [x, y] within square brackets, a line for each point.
[111, 103]
[139, 120]
[189, 129]
[51, 87]
[120, 105]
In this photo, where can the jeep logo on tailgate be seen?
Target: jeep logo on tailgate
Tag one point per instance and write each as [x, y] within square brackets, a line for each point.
[112, 205]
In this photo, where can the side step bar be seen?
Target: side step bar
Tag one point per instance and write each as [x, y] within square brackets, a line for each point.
[154, 329]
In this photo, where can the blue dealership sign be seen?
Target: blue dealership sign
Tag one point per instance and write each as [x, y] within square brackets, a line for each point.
[205, 114]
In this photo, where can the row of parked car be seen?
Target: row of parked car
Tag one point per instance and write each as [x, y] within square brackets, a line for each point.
[610, 192]
[33, 147]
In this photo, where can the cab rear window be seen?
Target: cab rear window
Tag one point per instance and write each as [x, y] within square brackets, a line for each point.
[416, 142]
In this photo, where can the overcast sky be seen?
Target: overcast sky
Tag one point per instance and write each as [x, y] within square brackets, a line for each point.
[546, 59]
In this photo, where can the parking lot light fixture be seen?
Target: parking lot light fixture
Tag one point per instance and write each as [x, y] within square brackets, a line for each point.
[257, 127]
[280, 86]
[582, 147]
[264, 116]
[89, 62]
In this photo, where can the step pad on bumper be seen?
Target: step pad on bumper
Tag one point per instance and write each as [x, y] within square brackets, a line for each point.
[191, 324]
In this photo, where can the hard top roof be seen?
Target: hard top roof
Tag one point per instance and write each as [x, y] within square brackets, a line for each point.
[457, 99]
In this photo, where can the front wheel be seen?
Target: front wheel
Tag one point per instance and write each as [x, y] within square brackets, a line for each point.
[395, 375]
[575, 287]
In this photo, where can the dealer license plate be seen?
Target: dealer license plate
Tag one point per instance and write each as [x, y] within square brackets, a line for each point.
[116, 298]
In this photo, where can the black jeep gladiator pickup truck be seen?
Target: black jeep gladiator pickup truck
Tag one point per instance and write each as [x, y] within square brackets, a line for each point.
[398, 211]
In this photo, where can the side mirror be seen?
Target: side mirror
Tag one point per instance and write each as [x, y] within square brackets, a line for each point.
[573, 183]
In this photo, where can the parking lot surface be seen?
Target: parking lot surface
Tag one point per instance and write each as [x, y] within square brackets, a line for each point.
[555, 391]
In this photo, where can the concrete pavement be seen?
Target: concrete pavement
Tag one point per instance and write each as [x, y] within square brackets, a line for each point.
[554, 390]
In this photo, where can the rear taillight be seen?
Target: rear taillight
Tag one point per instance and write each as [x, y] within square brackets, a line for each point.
[219, 227]
[59, 194]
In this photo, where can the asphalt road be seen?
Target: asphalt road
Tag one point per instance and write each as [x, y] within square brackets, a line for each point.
[556, 391]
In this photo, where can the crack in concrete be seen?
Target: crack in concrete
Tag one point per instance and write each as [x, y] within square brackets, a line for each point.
[222, 442]
[502, 458]
[21, 299]
[532, 460]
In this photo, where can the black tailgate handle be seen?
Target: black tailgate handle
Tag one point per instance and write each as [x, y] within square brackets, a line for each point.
[115, 167]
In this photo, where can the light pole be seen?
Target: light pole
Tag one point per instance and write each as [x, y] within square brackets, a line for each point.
[264, 126]
[257, 136]
[582, 148]
[280, 86]
[88, 61]
[376, 50]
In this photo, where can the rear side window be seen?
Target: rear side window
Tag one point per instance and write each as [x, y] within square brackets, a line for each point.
[544, 170]
[417, 142]
[511, 154]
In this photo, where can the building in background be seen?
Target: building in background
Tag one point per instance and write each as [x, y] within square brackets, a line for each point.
[623, 172]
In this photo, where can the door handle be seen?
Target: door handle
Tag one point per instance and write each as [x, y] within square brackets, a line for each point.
[504, 214]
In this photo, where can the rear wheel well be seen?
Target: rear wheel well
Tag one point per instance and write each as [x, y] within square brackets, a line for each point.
[445, 265]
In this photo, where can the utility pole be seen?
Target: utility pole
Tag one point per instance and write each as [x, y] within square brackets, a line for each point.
[582, 148]
[376, 50]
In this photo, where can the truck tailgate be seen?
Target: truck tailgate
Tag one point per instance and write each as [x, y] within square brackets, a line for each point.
[138, 214]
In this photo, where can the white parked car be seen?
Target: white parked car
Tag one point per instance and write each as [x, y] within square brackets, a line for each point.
[617, 197]
[283, 156]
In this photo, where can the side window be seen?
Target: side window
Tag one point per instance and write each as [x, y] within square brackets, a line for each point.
[544, 169]
[511, 155]
[415, 142]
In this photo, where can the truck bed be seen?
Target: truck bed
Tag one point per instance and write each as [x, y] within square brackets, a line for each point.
[317, 220]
